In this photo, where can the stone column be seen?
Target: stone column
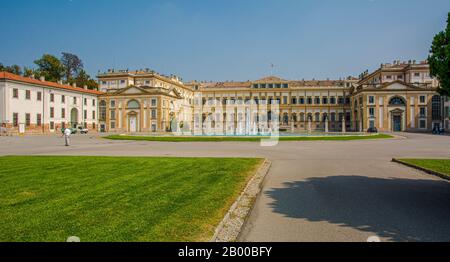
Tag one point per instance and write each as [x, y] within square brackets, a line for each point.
[344, 128]
[309, 125]
[326, 125]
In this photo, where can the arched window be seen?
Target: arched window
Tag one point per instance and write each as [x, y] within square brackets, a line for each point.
[397, 101]
[302, 117]
[102, 110]
[317, 117]
[294, 117]
[133, 104]
[333, 117]
[436, 108]
[286, 118]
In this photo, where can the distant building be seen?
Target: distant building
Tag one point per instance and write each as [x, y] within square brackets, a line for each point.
[396, 97]
[142, 101]
[36, 106]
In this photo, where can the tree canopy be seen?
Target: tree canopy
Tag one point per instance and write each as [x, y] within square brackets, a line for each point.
[72, 65]
[69, 68]
[49, 67]
[439, 59]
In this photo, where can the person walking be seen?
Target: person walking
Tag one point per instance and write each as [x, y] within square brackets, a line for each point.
[66, 135]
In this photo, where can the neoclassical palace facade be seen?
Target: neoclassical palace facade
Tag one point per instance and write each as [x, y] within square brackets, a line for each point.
[396, 97]
[400, 96]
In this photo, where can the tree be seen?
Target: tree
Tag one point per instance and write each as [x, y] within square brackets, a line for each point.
[28, 72]
[72, 65]
[83, 79]
[14, 69]
[439, 59]
[50, 67]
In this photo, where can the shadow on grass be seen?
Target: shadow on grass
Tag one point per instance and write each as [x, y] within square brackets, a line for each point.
[397, 209]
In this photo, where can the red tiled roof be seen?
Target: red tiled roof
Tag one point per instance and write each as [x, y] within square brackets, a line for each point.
[13, 77]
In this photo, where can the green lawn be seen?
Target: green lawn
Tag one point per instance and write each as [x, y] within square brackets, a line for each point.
[48, 198]
[241, 139]
[438, 165]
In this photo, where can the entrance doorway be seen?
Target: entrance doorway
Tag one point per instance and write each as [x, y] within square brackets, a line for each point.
[397, 123]
[133, 124]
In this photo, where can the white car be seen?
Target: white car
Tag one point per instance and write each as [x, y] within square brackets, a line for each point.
[82, 130]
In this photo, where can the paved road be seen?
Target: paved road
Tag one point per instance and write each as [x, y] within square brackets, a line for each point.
[315, 191]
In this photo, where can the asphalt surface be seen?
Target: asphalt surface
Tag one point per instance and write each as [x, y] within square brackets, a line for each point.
[315, 191]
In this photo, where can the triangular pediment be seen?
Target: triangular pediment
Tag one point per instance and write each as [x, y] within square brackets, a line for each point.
[270, 79]
[398, 85]
[174, 92]
[132, 90]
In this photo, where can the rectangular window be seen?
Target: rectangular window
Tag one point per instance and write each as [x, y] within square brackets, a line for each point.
[309, 100]
[332, 100]
[85, 114]
[74, 100]
[341, 100]
[294, 101]
[389, 77]
[93, 102]
[422, 124]
[113, 103]
[113, 125]
[372, 112]
[15, 93]
[317, 100]
[85, 101]
[302, 100]
[153, 114]
[278, 85]
[285, 85]
[27, 119]
[113, 115]
[38, 119]
[285, 100]
[63, 99]
[52, 97]
[15, 119]
[52, 125]
[52, 112]
[422, 99]
[422, 112]
[417, 74]
[27, 94]
[371, 100]
[122, 82]
[39, 96]
[63, 113]
[325, 100]
[93, 114]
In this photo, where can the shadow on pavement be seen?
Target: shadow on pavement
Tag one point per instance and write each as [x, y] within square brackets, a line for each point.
[396, 209]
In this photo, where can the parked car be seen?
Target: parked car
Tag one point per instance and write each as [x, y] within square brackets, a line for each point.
[82, 130]
[372, 130]
[72, 130]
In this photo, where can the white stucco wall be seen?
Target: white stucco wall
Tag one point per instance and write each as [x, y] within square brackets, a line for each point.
[2, 102]
[22, 106]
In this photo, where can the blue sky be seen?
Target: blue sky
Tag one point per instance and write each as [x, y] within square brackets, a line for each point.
[223, 40]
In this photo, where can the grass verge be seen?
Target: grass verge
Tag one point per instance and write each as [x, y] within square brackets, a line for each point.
[242, 139]
[441, 166]
[49, 198]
